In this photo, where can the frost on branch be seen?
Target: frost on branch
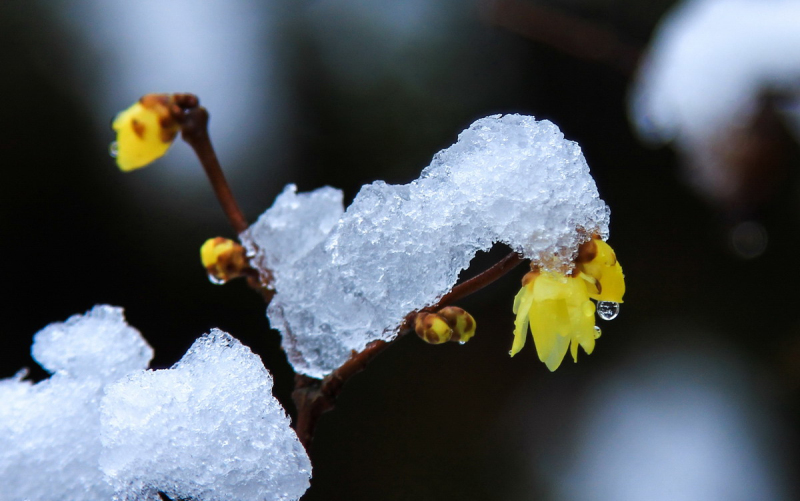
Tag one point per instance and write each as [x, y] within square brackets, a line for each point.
[353, 277]
[104, 428]
[707, 71]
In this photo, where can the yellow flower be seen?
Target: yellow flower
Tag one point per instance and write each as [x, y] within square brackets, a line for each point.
[145, 132]
[558, 308]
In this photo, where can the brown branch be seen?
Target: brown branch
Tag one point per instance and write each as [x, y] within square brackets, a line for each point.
[194, 130]
[577, 37]
[480, 281]
[313, 397]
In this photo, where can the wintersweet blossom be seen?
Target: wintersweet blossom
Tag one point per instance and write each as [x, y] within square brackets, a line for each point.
[558, 308]
[145, 131]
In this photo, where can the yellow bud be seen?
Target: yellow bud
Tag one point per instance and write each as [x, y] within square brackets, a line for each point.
[432, 328]
[460, 321]
[223, 259]
[145, 132]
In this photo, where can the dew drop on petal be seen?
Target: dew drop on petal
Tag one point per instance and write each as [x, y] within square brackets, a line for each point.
[597, 332]
[113, 149]
[607, 310]
[216, 281]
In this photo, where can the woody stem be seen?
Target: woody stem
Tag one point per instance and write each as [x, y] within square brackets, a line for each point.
[194, 129]
[480, 281]
[313, 397]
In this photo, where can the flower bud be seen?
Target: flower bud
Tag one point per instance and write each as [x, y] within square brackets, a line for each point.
[461, 322]
[145, 132]
[432, 328]
[223, 259]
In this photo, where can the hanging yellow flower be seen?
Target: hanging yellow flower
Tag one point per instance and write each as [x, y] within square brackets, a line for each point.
[558, 308]
[145, 132]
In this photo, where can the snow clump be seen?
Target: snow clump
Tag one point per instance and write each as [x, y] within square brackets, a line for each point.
[399, 248]
[103, 427]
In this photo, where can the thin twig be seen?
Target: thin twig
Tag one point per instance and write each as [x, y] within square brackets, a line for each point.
[577, 37]
[313, 397]
[480, 281]
[194, 130]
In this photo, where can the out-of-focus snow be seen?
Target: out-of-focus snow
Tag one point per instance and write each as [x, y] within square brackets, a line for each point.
[672, 426]
[710, 64]
[399, 248]
[208, 428]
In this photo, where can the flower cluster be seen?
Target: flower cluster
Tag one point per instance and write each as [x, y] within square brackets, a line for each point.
[558, 308]
[448, 324]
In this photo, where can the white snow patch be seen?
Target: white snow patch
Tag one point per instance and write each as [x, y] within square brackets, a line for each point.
[399, 248]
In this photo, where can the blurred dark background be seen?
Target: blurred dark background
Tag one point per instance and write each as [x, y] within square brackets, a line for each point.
[691, 393]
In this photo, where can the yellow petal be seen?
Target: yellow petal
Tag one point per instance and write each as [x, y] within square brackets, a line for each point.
[604, 268]
[551, 345]
[613, 283]
[144, 133]
[562, 316]
[522, 305]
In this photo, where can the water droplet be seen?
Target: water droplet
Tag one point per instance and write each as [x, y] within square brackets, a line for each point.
[607, 310]
[214, 280]
[113, 149]
[597, 332]
[462, 343]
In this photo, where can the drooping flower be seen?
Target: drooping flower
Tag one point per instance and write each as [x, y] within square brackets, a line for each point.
[145, 132]
[558, 308]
